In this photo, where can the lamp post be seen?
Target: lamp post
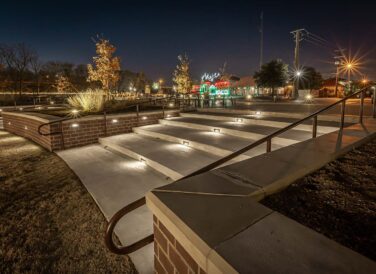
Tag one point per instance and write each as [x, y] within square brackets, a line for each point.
[160, 86]
[298, 74]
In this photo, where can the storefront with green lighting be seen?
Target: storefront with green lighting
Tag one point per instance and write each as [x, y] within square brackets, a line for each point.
[221, 88]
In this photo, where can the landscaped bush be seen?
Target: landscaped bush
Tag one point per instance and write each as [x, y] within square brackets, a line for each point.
[91, 100]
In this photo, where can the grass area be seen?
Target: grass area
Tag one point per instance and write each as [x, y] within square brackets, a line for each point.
[48, 221]
[338, 200]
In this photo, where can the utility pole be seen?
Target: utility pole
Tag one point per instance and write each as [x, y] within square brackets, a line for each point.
[261, 29]
[338, 62]
[298, 36]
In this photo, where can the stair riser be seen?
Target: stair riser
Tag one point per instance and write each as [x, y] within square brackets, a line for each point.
[268, 123]
[153, 164]
[237, 133]
[199, 146]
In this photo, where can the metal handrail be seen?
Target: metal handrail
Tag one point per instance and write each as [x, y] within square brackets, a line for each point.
[111, 226]
[268, 139]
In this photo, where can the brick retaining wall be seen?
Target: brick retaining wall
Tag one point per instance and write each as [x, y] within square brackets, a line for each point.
[27, 126]
[77, 132]
[169, 255]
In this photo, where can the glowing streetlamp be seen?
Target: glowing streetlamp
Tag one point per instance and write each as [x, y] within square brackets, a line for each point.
[349, 67]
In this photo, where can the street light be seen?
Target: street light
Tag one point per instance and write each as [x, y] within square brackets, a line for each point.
[298, 73]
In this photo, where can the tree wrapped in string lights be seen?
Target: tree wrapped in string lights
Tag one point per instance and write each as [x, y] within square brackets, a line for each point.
[106, 67]
[181, 76]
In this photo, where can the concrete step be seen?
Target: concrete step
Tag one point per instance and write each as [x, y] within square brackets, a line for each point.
[264, 120]
[216, 143]
[171, 159]
[239, 129]
[114, 181]
[280, 110]
[1, 123]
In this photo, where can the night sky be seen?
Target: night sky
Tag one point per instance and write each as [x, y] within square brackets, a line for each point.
[149, 36]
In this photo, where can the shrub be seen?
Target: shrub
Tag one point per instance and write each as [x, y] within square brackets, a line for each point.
[91, 100]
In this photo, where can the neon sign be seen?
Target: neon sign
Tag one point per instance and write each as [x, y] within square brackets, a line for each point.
[210, 76]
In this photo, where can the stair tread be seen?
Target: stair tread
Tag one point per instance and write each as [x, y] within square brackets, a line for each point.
[273, 118]
[178, 157]
[293, 134]
[223, 141]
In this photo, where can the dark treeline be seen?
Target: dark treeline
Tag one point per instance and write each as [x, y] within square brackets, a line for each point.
[22, 70]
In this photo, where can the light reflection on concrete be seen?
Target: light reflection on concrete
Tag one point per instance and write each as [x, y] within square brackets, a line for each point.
[211, 133]
[135, 165]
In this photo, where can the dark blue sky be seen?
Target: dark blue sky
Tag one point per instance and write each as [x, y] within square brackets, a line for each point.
[149, 36]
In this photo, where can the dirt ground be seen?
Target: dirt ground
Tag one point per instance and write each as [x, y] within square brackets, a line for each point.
[48, 221]
[338, 200]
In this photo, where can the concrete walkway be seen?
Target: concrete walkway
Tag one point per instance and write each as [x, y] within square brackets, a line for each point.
[115, 181]
[123, 168]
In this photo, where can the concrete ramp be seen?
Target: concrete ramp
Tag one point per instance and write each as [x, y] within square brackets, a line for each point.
[115, 181]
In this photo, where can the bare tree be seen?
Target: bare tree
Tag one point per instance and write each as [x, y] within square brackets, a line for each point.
[17, 58]
[36, 65]
[22, 57]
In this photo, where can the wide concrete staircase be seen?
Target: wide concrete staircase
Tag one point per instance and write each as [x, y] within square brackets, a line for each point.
[123, 168]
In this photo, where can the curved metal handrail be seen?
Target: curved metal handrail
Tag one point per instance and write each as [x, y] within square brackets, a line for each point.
[125, 210]
[111, 226]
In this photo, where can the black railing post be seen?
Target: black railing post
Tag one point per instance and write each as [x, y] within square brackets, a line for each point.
[374, 103]
[314, 128]
[137, 114]
[343, 107]
[105, 123]
[361, 107]
[269, 145]
[61, 135]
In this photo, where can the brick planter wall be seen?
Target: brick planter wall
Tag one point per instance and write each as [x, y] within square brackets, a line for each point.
[169, 255]
[77, 132]
[27, 126]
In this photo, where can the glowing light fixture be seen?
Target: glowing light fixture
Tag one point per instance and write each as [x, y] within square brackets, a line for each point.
[52, 102]
[298, 73]
[308, 97]
[74, 111]
[216, 130]
[1, 109]
[144, 118]
[21, 109]
[171, 105]
[168, 115]
[25, 127]
[249, 96]
[239, 120]
[115, 121]
[75, 125]
[258, 113]
[9, 123]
